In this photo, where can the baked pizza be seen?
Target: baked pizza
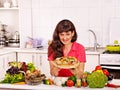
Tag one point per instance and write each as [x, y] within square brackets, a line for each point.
[66, 62]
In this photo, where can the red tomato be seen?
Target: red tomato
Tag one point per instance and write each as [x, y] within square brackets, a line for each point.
[105, 71]
[84, 84]
[98, 67]
[70, 83]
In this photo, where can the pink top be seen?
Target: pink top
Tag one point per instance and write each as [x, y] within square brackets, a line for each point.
[77, 50]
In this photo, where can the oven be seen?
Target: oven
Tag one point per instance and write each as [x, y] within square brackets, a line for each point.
[111, 62]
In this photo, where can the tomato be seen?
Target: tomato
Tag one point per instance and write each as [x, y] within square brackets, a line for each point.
[84, 84]
[70, 83]
[98, 67]
[105, 71]
[73, 78]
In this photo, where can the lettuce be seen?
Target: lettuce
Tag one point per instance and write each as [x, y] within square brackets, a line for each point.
[13, 78]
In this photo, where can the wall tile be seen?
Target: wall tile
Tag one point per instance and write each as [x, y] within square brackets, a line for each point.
[85, 14]
[95, 15]
[80, 15]
[25, 3]
[51, 3]
[75, 3]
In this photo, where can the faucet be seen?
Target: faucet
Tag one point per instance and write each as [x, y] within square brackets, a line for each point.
[95, 40]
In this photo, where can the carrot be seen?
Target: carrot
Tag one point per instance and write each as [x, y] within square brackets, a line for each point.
[20, 83]
[50, 81]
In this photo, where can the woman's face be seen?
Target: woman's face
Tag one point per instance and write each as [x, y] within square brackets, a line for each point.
[66, 37]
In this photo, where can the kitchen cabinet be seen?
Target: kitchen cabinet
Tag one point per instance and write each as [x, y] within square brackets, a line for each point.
[9, 16]
[4, 59]
[39, 60]
[26, 57]
[92, 60]
[44, 64]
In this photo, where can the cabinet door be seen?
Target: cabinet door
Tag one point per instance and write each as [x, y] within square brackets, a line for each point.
[2, 70]
[8, 58]
[91, 62]
[26, 57]
[43, 64]
[4, 59]
[40, 61]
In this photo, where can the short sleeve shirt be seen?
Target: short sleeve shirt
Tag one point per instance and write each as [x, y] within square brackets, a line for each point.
[77, 50]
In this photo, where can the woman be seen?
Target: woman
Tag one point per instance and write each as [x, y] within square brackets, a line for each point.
[64, 44]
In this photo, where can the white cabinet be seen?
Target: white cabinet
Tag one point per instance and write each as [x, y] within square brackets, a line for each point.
[26, 57]
[39, 60]
[4, 59]
[44, 63]
[92, 60]
[7, 58]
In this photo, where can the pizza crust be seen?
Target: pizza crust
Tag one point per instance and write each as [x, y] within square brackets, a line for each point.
[66, 62]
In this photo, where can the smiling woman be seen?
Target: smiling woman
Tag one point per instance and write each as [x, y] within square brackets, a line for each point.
[64, 45]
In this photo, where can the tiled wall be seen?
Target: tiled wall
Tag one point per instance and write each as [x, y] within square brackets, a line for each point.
[85, 14]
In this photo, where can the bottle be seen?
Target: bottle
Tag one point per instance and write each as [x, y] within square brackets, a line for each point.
[6, 4]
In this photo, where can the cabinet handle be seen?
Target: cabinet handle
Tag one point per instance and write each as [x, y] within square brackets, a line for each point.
[32, 58]
[3, 63]
[8, 60]
[40, 58]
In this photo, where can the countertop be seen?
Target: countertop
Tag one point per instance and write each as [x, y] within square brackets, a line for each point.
[34, 50]
[48, 87]
[29, 50]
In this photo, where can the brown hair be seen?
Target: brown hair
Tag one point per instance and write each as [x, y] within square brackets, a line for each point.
[56, 46]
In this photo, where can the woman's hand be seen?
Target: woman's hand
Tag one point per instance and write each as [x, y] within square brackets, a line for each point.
[53, 69]
[78, 71]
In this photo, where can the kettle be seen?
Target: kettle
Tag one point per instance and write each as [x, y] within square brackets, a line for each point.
[16, 36]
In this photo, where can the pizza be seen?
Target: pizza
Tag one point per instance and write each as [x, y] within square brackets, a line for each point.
[66, 62]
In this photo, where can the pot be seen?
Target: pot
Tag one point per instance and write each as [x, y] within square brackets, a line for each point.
[14, 43]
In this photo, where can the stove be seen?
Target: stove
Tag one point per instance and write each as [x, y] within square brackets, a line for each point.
[111, 62]
[110, 59]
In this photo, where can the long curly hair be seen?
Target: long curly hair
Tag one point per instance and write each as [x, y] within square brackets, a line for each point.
[56, 45]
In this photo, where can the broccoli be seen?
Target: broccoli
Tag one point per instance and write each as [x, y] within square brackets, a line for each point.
[97, 80]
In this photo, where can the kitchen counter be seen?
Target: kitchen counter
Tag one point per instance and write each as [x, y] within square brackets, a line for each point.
[10, 50]
[48, 87]
[44, 50]
[42, 86]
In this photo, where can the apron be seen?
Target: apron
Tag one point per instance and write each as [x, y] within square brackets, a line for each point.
[65, 73]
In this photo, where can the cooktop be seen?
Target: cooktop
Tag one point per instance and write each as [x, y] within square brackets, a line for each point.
[111, 52]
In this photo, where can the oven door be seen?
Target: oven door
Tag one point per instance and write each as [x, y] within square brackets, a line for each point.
[111, 62]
